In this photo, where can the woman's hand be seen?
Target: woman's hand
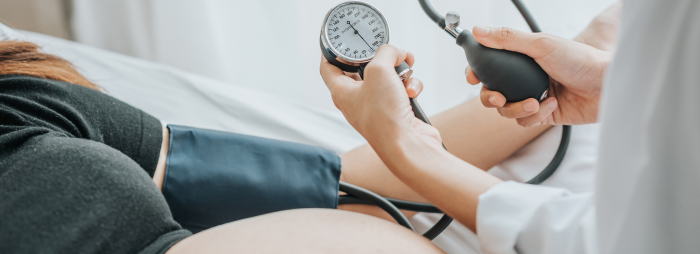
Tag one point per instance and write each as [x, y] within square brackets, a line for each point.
[378, 107]
[576, 75]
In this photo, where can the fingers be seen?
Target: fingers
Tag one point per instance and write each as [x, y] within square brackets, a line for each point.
[519, 109]
[528, 113]
[543, 115]
[413, 87]
[330, 73]
[471, 77]
[535, 45]
[353, 75]
[388, 56]
[492, 99]
[410, 59]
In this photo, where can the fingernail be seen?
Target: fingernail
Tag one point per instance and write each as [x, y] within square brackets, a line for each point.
[529, 107]
[413, 87]
[552, 104]
[492, 100]
[481, 31]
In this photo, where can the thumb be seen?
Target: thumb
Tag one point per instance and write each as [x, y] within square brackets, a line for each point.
[535, 45]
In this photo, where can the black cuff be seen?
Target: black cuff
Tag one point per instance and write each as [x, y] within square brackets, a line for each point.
[215, 177]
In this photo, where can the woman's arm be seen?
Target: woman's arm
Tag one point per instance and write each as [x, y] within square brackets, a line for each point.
[159, 175]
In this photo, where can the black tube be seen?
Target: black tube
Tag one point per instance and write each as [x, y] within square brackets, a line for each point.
[414, 206]
[351, 200]
[433, 232]
[400, 204]
[527, 16]
[378, 201]
[440, 226]
[432, 13]
[558, 157]
[418, 111]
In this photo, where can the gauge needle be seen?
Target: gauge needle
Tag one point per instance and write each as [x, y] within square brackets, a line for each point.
[358, 33]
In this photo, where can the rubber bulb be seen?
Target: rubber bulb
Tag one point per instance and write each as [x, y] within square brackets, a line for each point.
[515, 75]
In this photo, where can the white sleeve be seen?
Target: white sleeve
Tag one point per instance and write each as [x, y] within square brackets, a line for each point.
[515, 217]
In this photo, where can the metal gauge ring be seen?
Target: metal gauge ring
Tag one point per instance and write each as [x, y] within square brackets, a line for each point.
[351, 33]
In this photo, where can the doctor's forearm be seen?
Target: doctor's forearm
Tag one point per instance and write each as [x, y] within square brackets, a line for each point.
[471, 132]
[443, 179]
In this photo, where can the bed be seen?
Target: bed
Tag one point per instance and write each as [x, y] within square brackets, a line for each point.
[179, 97]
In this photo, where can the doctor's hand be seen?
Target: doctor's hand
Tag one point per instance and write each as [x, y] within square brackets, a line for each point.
[378, 107]
[576, 74]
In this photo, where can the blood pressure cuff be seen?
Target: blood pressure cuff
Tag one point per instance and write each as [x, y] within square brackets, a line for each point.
[215, 177]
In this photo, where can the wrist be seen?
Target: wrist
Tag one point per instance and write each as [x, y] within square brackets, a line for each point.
[380, 129]
[406, 148]
[386, 136]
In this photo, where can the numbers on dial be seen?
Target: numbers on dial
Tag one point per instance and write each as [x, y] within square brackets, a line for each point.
[356, 31]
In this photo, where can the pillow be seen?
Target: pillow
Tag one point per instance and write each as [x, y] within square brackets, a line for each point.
[7, 33]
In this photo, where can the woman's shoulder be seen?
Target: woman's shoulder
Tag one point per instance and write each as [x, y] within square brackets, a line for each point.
[23, 84]
[37, 99]
[35, 102]
[77, 112]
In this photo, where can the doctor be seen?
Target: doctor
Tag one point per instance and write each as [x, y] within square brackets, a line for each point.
[646, 97]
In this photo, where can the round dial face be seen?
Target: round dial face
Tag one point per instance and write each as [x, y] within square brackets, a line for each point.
[355, 31]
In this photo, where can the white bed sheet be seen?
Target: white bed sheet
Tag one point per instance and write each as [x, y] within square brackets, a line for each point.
[178, 97]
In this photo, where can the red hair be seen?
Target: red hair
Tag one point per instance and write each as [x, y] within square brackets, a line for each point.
[24, 58]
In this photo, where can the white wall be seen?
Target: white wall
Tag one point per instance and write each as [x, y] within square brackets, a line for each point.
[272, 45]
[43, 16]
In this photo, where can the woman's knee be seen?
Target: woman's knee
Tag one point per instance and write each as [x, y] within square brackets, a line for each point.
[308, 231]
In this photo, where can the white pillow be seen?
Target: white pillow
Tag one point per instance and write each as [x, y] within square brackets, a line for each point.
[7, 33]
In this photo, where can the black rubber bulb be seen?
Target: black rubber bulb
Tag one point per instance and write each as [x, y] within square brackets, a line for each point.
[515, 75]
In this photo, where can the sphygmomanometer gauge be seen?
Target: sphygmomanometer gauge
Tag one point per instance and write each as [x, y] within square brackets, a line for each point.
[351, 33]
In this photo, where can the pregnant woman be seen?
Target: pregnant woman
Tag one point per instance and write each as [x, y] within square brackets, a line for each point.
[80, 172]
